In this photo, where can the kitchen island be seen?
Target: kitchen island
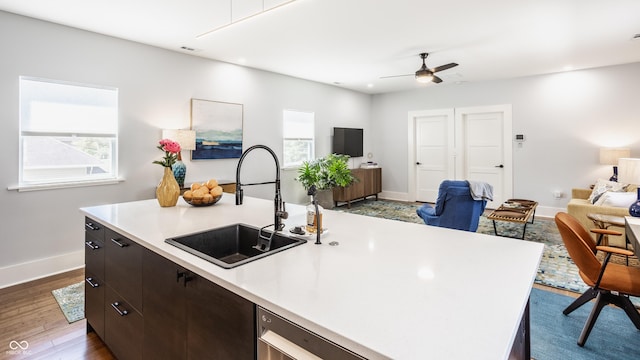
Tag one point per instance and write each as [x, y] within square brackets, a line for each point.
[389, 289]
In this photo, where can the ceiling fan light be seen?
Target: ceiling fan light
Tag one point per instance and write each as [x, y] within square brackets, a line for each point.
[424, 77]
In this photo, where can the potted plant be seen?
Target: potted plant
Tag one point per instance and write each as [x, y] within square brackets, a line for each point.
[326, 173]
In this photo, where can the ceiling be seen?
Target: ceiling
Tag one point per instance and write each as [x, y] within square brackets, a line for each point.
[352, 43]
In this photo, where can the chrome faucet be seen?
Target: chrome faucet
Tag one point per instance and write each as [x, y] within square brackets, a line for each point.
[278, 205]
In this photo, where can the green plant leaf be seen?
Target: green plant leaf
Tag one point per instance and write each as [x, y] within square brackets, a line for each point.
[326, 173]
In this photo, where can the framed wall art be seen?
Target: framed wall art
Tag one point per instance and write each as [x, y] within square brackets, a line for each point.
[218, 127]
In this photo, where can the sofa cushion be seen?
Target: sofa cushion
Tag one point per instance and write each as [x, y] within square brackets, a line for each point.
[616, 199]
[602, 186]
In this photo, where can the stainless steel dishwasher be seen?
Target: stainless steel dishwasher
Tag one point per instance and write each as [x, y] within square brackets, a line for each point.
[280, 339]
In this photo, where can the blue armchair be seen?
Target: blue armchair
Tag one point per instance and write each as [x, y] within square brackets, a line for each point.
[454, 208]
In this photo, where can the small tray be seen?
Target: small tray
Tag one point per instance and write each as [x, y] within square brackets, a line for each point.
[309, 235]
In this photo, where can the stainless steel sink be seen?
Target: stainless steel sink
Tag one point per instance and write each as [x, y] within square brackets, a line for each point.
[232, 245]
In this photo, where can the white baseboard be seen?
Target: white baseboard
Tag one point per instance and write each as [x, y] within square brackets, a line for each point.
[394, 195]
[37, 269]
[548, 211]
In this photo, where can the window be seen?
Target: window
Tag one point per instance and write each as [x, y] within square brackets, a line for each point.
[68, 133]
[298, 130]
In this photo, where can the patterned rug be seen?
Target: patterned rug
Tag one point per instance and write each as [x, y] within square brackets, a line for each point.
[71, 301]
[556, 267]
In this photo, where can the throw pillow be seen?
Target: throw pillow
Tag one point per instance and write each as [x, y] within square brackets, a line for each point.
[617, 199]
[602, 186]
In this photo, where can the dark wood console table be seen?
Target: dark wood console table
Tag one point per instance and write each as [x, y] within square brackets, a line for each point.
[369, 183]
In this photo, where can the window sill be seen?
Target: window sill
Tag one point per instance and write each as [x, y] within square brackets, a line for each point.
[64, 185]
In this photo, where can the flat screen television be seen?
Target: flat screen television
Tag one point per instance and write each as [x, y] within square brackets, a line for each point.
[347, 141]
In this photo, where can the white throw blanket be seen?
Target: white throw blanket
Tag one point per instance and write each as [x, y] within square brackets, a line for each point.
[481, 190]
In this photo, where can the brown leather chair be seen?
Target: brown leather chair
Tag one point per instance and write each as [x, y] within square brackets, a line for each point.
[609, 283]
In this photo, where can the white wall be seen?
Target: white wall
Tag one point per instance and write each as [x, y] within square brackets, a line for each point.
[565, 117]
[42, 230]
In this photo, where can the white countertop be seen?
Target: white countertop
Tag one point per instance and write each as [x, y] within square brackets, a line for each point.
[634, 222]
[633, 230]
[390, 289]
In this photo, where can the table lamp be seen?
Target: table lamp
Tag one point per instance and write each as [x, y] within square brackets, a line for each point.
[187, 141]
[630, 174]
[610, 156]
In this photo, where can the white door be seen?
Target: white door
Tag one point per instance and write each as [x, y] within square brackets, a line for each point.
[432, 157]
[460, 144]
[484, 141]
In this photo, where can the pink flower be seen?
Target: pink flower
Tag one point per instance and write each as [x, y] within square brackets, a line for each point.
[170, 146]
[171, 149]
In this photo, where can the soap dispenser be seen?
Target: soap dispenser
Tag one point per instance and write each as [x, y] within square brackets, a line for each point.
[314, 222]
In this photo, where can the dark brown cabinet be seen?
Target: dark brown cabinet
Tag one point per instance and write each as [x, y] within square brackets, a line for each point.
[165, 311]
[123, 267]
[113, 290]
[188, 317]
[123, 326]
[220, 324]
[94, 276]
[369, 183]
[185, 315]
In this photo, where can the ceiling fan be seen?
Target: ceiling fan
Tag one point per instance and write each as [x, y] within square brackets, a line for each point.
[424, 74]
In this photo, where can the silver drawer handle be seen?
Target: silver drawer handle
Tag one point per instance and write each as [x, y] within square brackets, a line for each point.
[91, 226]
[117, 242]
[90, 281]
[121, 312]
[92, 245]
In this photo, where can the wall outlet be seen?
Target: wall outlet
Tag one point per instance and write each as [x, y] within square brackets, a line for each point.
[557, 194]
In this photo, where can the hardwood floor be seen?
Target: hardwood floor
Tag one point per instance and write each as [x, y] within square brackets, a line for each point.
[30, 317]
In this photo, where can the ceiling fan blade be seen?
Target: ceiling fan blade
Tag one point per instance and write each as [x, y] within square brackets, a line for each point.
[436, 79]
[392, 76]
[443, 67]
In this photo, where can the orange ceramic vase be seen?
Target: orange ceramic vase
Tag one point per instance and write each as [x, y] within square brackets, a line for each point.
[168, 190]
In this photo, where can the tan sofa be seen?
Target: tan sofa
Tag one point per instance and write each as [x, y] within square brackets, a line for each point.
[579, 206]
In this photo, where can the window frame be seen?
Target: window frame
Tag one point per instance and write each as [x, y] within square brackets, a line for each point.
[28, 131]
[311, 140]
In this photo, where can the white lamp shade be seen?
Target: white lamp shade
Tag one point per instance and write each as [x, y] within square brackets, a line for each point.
[609, 156]
[629, 171]
[186, 138]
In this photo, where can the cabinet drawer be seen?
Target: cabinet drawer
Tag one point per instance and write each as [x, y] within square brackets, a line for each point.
[93, 228]
[94, 255]
[123, 327]
[123, 267]
[94, 302]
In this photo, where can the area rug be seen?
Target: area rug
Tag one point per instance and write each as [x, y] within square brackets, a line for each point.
[71, 301]
[554, 336]
[556, 267]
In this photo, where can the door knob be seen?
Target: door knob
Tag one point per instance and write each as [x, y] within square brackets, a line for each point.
[500, 166]
[418, 163]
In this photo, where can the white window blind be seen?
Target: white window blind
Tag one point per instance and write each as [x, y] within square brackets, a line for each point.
[298, 136]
